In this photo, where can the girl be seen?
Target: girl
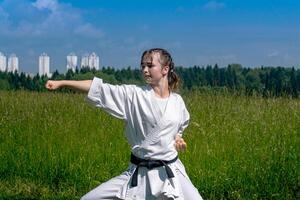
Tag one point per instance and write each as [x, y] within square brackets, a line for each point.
[155, 117]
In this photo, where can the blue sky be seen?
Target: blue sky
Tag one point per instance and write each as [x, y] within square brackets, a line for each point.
[196, 32]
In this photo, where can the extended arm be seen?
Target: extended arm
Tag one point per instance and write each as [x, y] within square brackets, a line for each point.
[82, 86]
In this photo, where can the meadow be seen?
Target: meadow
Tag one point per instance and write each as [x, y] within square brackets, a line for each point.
[56, 146]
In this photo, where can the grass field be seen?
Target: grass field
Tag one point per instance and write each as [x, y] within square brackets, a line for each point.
[55, 146]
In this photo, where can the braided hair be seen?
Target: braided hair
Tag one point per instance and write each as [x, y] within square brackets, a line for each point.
[165, 60]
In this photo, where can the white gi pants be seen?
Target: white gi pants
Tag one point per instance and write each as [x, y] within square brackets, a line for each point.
[107, 190]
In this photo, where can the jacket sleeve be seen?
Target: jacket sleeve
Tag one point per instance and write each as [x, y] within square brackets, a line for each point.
[185, 118]
[112, 98]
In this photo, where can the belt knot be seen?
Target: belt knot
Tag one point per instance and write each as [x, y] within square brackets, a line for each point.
[150, 164]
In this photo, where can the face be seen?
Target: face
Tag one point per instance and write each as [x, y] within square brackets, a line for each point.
[152, 69]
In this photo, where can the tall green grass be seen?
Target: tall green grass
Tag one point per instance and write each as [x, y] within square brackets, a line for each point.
[56, 146]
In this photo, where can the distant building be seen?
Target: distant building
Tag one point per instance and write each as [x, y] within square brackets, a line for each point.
[84, 61]
[71, 61]
[90, 61]
[44, 65]
[13, 63]
[2, 62]
[94, 61]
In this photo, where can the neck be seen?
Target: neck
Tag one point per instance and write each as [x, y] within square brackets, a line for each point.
[162, 89]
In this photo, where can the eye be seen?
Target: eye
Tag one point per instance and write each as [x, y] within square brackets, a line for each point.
[143, 66]
[147, 65]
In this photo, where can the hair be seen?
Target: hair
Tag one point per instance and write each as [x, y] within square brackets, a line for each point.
[165, 60]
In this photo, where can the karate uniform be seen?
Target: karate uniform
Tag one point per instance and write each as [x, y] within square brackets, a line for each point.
[151, 132]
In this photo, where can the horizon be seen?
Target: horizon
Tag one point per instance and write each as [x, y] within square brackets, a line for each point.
[253, 33]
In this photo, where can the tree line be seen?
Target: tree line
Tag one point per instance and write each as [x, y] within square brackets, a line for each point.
[264, 81]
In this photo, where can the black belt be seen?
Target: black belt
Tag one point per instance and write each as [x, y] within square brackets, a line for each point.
[150, 164]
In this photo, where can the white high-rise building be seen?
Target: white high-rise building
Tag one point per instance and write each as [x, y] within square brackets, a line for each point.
[13, 63]
[2, 62]
[84, 61]
[44, 65]
[71, 61]
[94, 61]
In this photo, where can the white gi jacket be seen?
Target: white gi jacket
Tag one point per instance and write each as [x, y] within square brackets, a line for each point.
[150, 134]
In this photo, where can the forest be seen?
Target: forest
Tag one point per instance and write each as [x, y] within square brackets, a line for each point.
[235, 79]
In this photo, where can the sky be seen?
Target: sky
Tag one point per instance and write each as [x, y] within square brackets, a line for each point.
[252, 33]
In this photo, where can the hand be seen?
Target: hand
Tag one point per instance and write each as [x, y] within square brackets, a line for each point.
[53, 85]
[180, 144]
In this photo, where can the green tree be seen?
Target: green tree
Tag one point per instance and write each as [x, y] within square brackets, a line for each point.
[252, 82]
[293, 83]
[70, 74]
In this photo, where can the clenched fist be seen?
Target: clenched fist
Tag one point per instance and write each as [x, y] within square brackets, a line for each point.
[180, 144]
[53, 85]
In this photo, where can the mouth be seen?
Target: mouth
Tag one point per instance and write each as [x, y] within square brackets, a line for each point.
[147, 77]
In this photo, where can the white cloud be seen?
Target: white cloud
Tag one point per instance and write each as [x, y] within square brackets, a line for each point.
[3, 15]
[46, 4]
[221, 60]
[281, 58]
[33, 19]
[214, 5]
[88, 30]
[273, 54]
[4, 20]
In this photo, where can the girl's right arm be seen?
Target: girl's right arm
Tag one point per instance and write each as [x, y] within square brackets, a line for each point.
[82, 86]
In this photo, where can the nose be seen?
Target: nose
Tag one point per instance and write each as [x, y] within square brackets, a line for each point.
[145, 69]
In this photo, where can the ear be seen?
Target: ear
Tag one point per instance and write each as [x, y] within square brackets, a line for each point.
[165, 70]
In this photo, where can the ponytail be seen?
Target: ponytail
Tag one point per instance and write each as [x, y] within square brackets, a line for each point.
[173, 81]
